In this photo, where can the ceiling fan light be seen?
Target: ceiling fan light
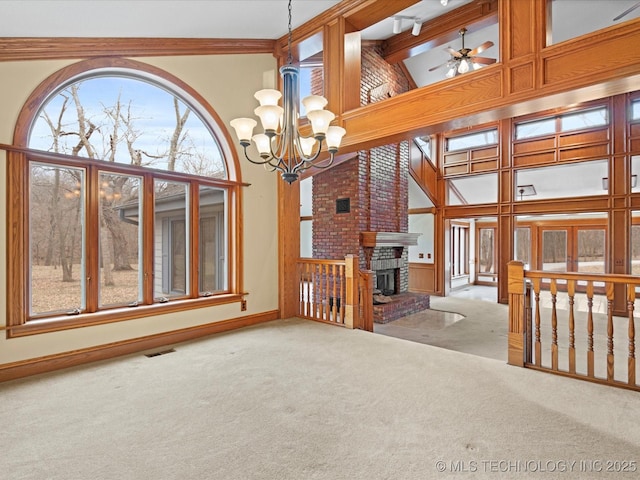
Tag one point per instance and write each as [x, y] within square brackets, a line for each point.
[452, 69]
[464, 66]
[444, 2]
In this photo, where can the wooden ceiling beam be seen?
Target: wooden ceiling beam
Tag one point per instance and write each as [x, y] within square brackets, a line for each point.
[359, 14]
[370, 12]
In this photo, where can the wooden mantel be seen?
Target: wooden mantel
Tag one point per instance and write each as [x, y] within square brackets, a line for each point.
[388, 239]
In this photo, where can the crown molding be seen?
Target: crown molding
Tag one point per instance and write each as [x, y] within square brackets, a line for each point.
[47, 48]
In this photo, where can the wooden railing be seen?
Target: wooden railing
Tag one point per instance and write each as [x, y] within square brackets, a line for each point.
[574, 324]
[336, 292]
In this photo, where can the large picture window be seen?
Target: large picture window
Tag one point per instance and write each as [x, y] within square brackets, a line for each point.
[131, 201]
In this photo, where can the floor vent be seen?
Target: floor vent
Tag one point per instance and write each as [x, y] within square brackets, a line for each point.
[162, 352]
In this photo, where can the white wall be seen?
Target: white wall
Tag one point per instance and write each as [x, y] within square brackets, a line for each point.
[421, 223]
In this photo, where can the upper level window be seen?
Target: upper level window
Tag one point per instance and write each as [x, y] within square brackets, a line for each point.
[424, 144]
[573, 18]
[536, 128]
[130, 202]
[472, 189]
[635, 110]
[597, 117]
[472, 140]
[584, 119]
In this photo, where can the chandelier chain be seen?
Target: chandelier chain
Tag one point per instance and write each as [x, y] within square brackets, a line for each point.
[282, 146]
[289, 55]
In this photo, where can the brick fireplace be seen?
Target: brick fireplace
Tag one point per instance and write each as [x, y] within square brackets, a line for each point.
[385, 256]
[360, 206]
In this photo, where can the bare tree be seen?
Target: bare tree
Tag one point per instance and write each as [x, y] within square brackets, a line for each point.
[176, 138]
[120, 130]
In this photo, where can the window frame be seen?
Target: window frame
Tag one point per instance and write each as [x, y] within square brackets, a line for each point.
[557, 120]
[482, 131]
[19, 156]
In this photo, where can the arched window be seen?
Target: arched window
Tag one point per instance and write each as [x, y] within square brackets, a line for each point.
[128, 195]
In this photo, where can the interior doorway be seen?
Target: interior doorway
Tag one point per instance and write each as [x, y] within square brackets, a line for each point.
[471, 253]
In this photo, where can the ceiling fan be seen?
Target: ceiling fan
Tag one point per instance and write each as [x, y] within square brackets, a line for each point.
[465, 59]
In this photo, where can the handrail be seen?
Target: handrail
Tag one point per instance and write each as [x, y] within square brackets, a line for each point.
[593, 277]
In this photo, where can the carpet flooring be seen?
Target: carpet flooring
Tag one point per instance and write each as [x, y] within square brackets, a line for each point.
[295, 399]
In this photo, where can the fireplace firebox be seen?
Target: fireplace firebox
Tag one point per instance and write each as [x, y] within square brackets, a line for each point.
[387, 281]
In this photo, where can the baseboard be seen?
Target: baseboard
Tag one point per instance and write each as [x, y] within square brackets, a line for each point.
[49, 363]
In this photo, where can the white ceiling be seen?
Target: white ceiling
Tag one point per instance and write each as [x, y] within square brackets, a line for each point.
[257, 19]
[261, 19]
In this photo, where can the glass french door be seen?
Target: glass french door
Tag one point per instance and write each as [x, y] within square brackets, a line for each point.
[573, 249]
[486, 266]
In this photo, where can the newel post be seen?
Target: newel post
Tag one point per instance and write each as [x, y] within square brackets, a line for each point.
[351, 307]
[516, 337]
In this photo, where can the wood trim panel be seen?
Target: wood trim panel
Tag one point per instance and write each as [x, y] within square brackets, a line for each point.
[288, 246]
[403, 117]
[521, 77]
[65, 47]
[17, 206]
[564, 205]
[11, 371]
[582, 138]
[462, 211]
[534, 159]
[456, 157]
[484, 166]
[484, 153]
[422, 277]
[456, 170]
[534, 145]
[584, 153]
[592, 58]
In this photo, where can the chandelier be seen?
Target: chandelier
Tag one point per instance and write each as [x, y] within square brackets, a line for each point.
[281, 146]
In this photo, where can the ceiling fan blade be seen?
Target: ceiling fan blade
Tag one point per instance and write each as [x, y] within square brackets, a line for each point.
[627, 12]
[453, 52]
[481, 48]
[483, 60]
[437, 67]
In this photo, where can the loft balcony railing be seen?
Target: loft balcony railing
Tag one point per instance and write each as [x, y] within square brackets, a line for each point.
[578, 325]
[335, 292]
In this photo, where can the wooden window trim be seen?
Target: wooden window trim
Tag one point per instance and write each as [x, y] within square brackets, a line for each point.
[18, 158]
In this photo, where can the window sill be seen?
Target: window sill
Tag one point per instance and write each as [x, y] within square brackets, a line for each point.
[66, 322]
